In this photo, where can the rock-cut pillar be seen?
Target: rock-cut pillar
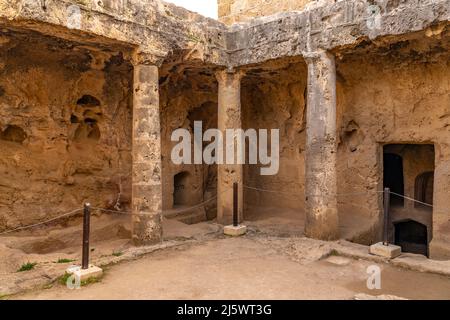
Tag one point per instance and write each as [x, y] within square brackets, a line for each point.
[322, 220]
[146, 170]
[229, 117]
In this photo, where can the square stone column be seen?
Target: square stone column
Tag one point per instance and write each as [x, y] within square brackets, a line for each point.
[229, 117]
[321, 147]
[146, 175]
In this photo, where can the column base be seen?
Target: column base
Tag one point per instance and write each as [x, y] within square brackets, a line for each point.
[147, 230]
[390, 251]
[85, 274]
[235, 231]
[322, 232]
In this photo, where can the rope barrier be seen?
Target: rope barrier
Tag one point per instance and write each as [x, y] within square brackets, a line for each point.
[201, 205]
[269, 191]
[143, 214]
[107, 210]
[313, 195]
[41, 223]
[197, 206]
[343, 194]
[120, 212]
[411, 199]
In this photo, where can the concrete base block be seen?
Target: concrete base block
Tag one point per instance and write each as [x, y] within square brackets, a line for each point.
[91, 272]
[235, 231]
[391, 251]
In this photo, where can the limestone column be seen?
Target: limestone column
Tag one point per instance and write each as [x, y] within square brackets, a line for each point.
[229, 117]
[146, 171]
[321, 147]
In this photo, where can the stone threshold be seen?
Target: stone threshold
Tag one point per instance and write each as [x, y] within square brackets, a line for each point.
[407, 261]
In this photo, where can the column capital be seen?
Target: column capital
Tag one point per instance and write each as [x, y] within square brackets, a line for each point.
[140, 57]
[229, 75]
[317, 55]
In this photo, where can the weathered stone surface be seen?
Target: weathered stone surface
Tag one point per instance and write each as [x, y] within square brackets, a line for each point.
[235, 231]
[188, 94]
[85, 274]
[231, 11]
[66, 88]
[157, 27]
[386, 251]
[330, 25]
[274, 97]
[229, 117]
[363, 296]
[65, 128]
[146, 177]
[322, 221]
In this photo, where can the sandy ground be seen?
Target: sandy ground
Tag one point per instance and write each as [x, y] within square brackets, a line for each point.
[247, 268]
[274, 261]
[291, 222]
[109, 234]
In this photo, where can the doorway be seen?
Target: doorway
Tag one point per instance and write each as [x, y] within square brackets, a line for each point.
[180, 189]
[412, 236]
[393, 177]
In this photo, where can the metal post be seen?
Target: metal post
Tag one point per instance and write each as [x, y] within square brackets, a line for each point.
[235, 205]
[86, 231]
[387, 202]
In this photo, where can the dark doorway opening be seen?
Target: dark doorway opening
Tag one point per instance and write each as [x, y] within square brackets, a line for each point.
[412, 236]
[393, 177]
[180, 189]
[424, 188]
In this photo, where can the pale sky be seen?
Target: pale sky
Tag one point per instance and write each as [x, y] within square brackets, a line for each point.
[205, 7]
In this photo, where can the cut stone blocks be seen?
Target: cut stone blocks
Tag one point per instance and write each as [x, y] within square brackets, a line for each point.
[235, 231]
[390, 251]
[83, 275]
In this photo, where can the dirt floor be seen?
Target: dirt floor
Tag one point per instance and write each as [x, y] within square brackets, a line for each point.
[248, 268]
[273, 261]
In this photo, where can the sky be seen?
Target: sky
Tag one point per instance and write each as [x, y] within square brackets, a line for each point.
[205, 7]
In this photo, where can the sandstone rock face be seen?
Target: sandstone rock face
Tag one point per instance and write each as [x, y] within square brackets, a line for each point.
[231, 11]
[65, 128]
[400, 98]
[188, 94]
[273, 97]
[66, 103]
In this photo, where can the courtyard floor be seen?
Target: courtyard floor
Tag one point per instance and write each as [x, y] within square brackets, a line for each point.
[249, 268]
[273, 261]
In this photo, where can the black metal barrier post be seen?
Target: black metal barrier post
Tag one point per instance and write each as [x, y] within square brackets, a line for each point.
[86, 231]
[387, 201]
[235, 205]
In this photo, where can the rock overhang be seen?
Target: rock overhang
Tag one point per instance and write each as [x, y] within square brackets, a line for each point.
[159, 29]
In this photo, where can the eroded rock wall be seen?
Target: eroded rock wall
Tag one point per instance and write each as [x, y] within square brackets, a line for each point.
[231, 11]
[188, 94]
[155, 26]
[390, 94]
[65, 123]
[273, 97]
